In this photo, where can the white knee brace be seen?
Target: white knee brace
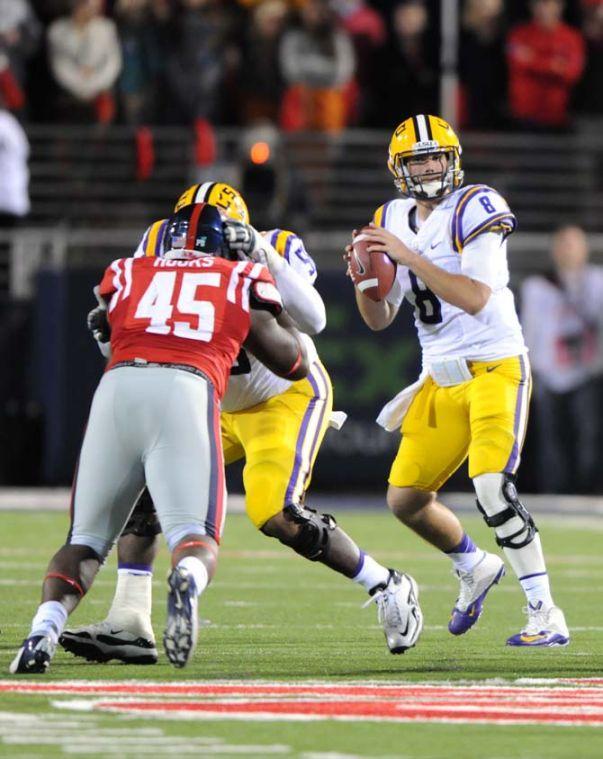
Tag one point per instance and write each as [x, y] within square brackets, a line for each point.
[498, 501]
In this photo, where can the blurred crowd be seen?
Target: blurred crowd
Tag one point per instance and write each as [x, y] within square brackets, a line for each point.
[317, 64]
[566, 355]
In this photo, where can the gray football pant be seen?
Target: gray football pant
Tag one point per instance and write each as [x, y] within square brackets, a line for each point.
[153, 425]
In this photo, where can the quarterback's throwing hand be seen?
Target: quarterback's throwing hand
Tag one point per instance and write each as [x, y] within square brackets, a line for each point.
[382, 240]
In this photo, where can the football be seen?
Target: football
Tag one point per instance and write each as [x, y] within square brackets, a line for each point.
[372, 273]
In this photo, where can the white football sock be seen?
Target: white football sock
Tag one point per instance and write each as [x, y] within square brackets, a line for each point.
[527, 562]
[537, 588]
[49, 620]
[465, 555]
[529, 566]
[465, 562]
[371, 573]
[197, 569]
[131, 607]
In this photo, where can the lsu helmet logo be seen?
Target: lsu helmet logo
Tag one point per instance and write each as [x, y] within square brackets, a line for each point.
[218, 194]
[420, 136]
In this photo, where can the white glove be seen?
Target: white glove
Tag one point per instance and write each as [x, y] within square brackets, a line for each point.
[247, 243]
[240, 239]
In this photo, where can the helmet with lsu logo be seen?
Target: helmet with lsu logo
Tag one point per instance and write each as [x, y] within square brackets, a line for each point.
[420, 136]
[218, 194]
[195, 230]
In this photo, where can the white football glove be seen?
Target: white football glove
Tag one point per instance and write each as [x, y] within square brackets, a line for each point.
[240, 238]
[248, 244]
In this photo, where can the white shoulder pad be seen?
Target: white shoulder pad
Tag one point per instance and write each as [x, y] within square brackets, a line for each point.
[384, 215]
[151, 243]
[479, 209]
[291, 247]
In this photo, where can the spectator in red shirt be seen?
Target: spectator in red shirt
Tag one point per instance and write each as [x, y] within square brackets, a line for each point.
[545, 58]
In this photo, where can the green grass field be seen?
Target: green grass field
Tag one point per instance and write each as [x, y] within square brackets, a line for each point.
[271, 616]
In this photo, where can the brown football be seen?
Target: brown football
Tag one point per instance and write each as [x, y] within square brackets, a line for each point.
[372, 273]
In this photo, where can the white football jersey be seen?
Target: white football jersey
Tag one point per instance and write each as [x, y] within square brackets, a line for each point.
[444, 330]
[250, 381]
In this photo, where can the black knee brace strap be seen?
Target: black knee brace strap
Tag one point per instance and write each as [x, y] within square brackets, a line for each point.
[312, 540]
[514, 509]
[143, 520]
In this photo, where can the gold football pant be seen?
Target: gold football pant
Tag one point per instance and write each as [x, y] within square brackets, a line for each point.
[279, 439]
[484, 419]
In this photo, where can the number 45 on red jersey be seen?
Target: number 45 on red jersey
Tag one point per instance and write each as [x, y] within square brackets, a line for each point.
[193, 312]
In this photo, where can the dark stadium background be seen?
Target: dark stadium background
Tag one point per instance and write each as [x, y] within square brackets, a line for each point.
[98, 181]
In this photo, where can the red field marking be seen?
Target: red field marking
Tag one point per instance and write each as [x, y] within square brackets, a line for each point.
[466, 703]
[347, 691]
[375, 709]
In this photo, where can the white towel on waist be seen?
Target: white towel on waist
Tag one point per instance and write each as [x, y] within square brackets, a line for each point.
[392, 414]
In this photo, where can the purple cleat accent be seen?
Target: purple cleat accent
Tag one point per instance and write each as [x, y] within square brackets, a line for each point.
[475, 586]
[546, 628]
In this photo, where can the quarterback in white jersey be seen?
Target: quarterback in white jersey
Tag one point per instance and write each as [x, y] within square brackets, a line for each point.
[471, 400]
[445, 238]
[277, 426]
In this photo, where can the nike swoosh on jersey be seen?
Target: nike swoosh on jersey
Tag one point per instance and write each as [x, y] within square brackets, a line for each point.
[492, 368]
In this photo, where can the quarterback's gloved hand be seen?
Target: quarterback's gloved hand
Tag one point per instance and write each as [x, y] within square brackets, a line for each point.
[98, 324]
[240, 238]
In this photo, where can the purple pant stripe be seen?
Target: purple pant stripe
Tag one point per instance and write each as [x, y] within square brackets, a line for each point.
[325, 379]
[514, 457]
[302, 436]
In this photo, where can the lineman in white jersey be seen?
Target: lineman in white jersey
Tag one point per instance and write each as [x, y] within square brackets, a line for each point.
[277, 426]
[472, 397]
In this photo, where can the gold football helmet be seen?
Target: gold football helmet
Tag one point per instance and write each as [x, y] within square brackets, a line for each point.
[218, 194]
[421, 136]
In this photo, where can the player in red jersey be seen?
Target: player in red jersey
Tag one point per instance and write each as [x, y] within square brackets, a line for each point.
[177, 324]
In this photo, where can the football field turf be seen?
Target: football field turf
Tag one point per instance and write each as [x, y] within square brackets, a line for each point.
[289, 664]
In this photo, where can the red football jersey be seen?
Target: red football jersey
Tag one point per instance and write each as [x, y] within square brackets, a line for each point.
[191, 311]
